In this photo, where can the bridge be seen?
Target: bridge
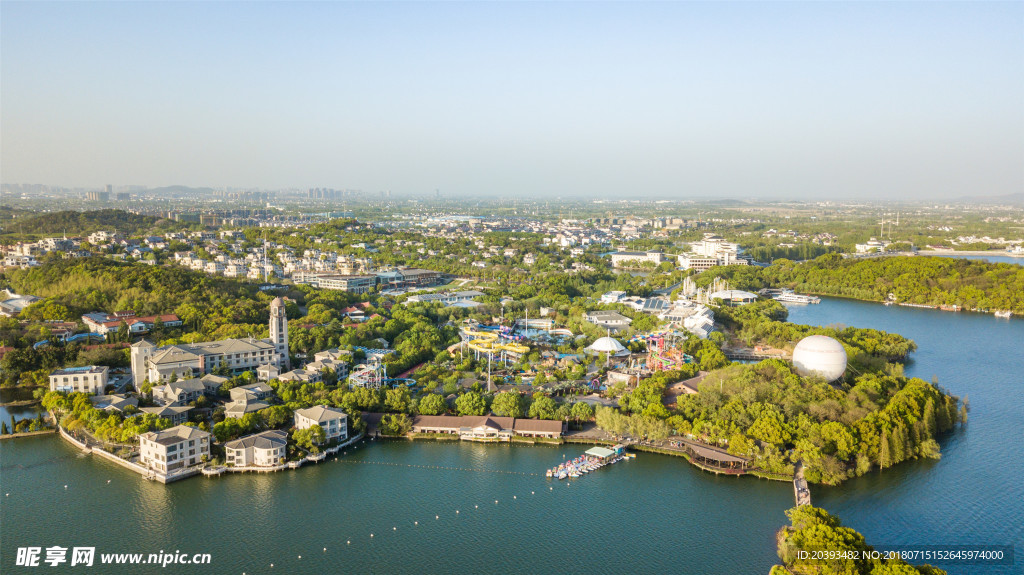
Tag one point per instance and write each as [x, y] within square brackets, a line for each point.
[800, 489]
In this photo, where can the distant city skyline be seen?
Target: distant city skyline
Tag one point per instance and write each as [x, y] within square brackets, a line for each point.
[901, 101]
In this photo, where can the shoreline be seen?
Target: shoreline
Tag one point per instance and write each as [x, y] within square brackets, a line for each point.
[21, 403]
[969, 253]
[47, 431]
[905, 304]
[206, 470]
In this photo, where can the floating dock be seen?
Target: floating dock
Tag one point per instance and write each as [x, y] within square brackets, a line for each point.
[592, 460]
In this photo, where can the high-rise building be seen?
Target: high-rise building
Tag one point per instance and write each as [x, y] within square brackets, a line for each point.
[279, 331]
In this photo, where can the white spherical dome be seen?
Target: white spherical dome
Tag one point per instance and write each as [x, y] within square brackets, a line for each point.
[606, 345]
[820, 355]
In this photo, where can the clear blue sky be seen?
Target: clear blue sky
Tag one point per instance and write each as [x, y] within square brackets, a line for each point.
[776, 100]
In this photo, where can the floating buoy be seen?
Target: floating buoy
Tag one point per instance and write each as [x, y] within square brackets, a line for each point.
[348, 542]
[495, 501]
[371, 535]
[65, 487]
[436, 517]
[531, 493]
[513, 497]
[325, 550]
[456, 511]
[394, 529]
[300, 556]
[476, 507]
[108, 481]
[415, 522]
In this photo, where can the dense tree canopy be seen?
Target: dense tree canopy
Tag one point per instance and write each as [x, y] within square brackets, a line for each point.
[814, 530]
[920, 280]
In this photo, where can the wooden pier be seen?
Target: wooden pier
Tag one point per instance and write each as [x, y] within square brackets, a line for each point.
[800, 489]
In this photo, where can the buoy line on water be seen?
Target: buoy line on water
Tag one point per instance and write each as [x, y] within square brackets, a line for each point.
[437, 517]
[442, 467]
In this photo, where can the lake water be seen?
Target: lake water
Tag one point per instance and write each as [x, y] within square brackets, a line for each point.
[655, 514]
[996, 259]
[975, 493]
[18, 411]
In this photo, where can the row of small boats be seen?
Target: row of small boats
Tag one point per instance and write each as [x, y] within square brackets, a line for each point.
[582, 465]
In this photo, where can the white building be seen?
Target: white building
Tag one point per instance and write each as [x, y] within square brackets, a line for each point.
[265, 449]
[613, 297]
[177, 415]
[279, 331]
[179, 392]
[158, 364]
[733, 297]
[91, 379]
[173, 449]
[873, 245]
[611, 320]
[713, 246]
[333, 421]
[696, 262]
[620, 258]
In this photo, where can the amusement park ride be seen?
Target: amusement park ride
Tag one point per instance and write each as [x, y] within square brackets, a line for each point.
[662, 355]
[375, 375]
[498, 344]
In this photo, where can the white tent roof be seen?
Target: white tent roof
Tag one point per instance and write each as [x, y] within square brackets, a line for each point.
[606, 345]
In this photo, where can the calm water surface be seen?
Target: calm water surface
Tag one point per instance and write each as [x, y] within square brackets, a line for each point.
[654, 514]
[996, 259]
[975, 493]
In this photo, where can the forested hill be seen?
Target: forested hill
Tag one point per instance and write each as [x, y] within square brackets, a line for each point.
[975, 285]
[78, 223]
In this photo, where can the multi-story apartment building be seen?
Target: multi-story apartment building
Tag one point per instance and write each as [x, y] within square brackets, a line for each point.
[91, 379]
[173, 449]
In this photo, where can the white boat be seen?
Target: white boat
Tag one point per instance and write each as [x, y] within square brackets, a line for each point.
[792, 297]
[1004, 313]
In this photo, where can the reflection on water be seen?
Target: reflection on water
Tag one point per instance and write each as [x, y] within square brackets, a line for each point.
[974, 493]
[655, 514]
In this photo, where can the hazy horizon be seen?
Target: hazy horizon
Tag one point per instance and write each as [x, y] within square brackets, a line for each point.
[900, 101]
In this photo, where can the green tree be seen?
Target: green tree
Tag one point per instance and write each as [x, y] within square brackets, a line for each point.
[768, 428]
[276, 416]
[395, 424]
[543, 407]
[397, 400]
[470, 403]
[929, 417]
[581, 411]
[815, 528]
[885, 451]
[508, 404]
[432, 404]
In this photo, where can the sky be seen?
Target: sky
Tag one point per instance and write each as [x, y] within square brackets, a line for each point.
[772, 100]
